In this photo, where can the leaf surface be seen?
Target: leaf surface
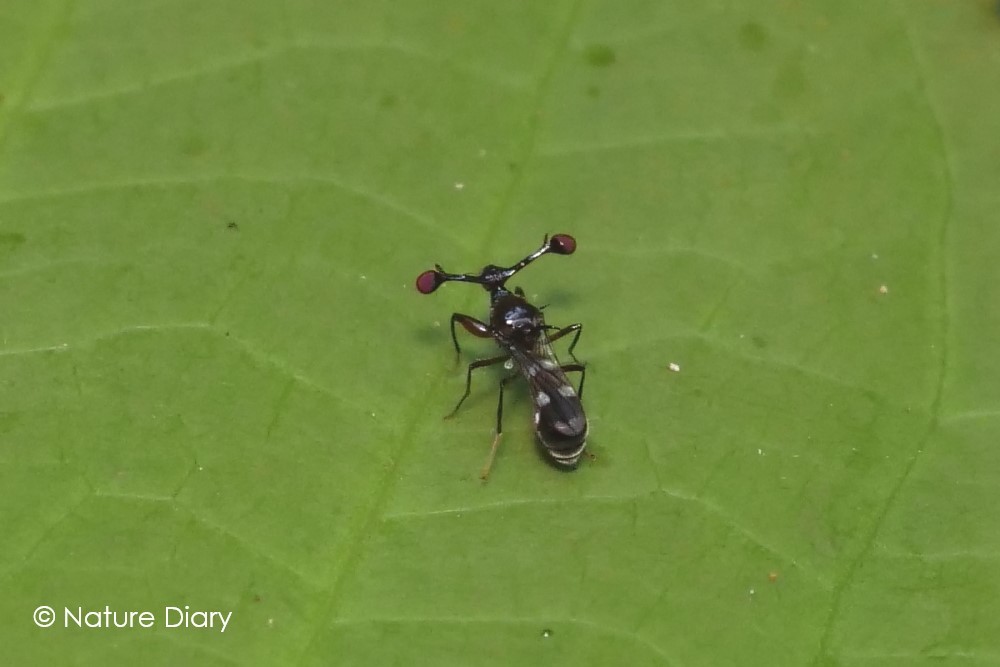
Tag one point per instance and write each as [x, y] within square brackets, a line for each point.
[219, 388]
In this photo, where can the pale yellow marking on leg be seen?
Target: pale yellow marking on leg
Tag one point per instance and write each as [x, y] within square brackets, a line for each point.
[485, 473]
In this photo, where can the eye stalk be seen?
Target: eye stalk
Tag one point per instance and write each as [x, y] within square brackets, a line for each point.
[492, 277]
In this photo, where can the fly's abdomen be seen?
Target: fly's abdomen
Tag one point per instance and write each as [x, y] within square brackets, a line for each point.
[562, 428]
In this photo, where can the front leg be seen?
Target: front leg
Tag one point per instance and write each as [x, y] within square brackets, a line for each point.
[472, 325]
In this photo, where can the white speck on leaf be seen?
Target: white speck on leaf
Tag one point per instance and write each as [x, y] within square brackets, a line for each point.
[675, 367]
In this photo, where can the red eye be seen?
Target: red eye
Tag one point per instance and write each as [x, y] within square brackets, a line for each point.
[428, 281]
[562, 244]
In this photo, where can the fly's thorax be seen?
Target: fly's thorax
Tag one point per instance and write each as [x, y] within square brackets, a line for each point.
[516, 320]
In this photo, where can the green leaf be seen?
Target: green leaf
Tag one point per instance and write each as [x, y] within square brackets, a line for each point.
[219, 388]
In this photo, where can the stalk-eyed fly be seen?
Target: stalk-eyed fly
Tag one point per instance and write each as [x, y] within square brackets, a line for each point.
[521, 333]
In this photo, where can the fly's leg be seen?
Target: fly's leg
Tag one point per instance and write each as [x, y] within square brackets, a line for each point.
[472, 325]
[570, 368]
[485, 473]
[573, 328]
[478, 363]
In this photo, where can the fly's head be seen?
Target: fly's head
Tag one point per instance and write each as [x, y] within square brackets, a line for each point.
[493, 278]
